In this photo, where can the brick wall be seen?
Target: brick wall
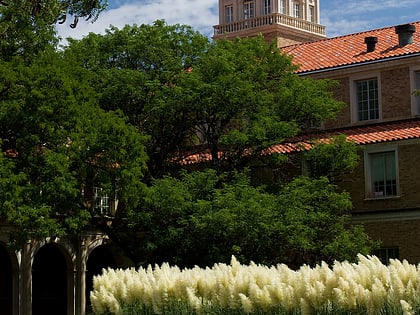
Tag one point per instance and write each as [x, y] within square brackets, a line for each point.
[396, 95]
[409, 188]
[403, 234]
[342, 94]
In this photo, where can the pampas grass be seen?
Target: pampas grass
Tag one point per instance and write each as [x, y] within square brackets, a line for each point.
[365, 287]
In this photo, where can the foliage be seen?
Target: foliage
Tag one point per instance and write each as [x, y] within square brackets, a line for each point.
[57, 145]
[203, 218]
[52, 11]
[95, 113]
[247, 98]
[139, 71]
[316, 218]
[27, 26]
[236, 97]
[364, 287]
[337, 157]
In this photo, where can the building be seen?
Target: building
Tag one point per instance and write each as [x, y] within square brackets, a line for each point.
[377, 71]
[286, 21]
[54, 276]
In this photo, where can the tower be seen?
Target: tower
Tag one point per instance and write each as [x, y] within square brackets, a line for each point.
[286, 21]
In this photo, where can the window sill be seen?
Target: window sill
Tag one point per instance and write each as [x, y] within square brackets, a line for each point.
[382, 198]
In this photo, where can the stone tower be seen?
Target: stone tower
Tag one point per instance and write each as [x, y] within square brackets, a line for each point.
[286, 21]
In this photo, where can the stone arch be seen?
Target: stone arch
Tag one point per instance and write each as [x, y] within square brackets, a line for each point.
[52, 281]
[105, 255]
[9, 288]
[101, 257]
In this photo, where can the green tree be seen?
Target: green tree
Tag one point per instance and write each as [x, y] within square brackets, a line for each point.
[52, 11]
[203, 218]
[331, 159]
[27, 26]
[235, 97]
[58, 145]
[139, 70]
[246, 97]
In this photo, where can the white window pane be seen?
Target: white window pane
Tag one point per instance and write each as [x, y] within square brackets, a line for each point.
[367, 99]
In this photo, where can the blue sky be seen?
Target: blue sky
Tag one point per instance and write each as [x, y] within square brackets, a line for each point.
[340, 17]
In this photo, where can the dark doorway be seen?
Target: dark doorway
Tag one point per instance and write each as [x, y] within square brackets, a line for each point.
[6, 282]
[101, 257]
[49, 282]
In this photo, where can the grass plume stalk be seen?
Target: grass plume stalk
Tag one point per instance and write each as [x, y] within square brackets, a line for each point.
[364, 287]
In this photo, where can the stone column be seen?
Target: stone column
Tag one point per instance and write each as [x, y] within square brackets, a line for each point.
[25, 285]
[80, 281]
[317, 12]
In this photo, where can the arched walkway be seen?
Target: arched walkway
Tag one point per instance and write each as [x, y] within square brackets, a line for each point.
[101, 257]
[49, 282]
[6, 282]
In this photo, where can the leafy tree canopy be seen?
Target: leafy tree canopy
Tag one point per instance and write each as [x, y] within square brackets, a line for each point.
[233, 99]
[236, 97]
[332, 159]
[27, 26]
[99, 112]
[57, 145]
[203, 218]
[139, 71]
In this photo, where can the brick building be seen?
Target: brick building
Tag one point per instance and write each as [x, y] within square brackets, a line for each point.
[377, 71]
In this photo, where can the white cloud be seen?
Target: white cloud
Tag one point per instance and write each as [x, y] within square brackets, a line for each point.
[201, 15]
[340, 17]
[362, 15]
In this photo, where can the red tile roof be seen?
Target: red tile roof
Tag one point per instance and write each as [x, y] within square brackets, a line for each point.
[370, 134]
[378, 133]
[351, 49]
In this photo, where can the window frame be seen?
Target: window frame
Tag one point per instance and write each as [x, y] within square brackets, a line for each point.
[249, 6]
[385, 254]
[354, 102]
[101, 201]
[415, 100]
[311, 13]
[282, 7]
[368, 152]
[229, 13]
[296, 10]
[268, 7]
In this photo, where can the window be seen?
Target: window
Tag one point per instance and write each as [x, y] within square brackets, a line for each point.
[267, 7]
[387, 253]
[417, 89]
[367, 99]
[228, 14]
[311, 13]
[282, 8]
[381, 174]
[249, 9]
[296, 10]
[101, 201]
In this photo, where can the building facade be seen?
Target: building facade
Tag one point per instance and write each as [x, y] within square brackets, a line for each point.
[285, 21]
[378, 73]
[54, 276]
